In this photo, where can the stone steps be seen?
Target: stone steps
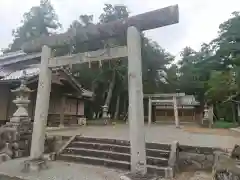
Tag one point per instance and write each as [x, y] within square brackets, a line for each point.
[120, 142]
[95, 161]
[117, 148]
[98, 154]
[115, 154]
[102, 140]
[123, 165]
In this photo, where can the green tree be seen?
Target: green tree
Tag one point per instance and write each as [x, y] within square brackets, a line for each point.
[110, 81]
[40, 20]
[227, 44]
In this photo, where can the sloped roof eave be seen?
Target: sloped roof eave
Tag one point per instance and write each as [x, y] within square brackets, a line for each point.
[10, 78]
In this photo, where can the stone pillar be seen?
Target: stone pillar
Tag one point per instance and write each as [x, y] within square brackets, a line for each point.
[175, 112]
[135, 95]
[42, 105]
[63, 102]
[149, 111]
[211, 114]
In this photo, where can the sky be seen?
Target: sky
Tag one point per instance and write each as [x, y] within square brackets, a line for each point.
[198, 23]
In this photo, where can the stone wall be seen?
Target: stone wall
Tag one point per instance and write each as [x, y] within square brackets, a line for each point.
[54, 143]
[192, 158]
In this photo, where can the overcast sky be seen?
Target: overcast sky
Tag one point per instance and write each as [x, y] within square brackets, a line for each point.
[199, 19]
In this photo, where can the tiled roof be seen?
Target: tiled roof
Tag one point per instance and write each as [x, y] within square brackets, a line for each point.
[11, 55]
[31, 72]
[18, 56]
[187, 100]
[19, 74]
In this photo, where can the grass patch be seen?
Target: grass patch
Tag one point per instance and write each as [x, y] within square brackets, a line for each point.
[224, 125]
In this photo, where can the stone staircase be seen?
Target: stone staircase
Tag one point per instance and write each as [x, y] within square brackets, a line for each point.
[114, 153]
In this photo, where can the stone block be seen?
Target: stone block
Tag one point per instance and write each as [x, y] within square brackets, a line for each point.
[4, 157]
[34, 165]
[19, 153]
[136, 176]
[210, 158]
[236, 152]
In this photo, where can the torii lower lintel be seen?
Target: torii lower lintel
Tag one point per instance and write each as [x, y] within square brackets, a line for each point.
[88, 57]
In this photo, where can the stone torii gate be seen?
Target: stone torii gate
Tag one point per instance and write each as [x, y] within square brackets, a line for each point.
[172, 98]
[132, 27]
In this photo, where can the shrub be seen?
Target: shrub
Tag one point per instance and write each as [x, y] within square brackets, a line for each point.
[224, 125]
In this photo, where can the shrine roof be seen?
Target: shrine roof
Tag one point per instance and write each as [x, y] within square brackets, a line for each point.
[31, 72]
[19, 74]
[18, 56]
[166, 99]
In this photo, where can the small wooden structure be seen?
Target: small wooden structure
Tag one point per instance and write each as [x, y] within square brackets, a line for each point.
[66, 100]
[172, 107]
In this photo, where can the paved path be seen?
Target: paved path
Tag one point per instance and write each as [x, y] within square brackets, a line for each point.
[156, 133]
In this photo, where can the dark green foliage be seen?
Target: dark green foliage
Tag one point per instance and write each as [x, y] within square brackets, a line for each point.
[40, 20]
[224, 125]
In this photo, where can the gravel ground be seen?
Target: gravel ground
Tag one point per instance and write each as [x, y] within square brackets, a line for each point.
[155, 133]
[59, 170]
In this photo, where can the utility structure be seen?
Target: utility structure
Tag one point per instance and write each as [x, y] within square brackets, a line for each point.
[130, 26]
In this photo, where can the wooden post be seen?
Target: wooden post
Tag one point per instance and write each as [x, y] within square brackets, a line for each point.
[63, 103]
[194, 115]
[42, 105]
[135, 95]
[149, 111]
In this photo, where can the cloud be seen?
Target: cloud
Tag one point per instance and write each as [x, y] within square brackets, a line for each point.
[199, 19]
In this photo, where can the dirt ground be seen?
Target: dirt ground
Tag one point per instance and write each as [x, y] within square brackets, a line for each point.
[59, 170]
[220, 132]
[186, 135]
[199, 175]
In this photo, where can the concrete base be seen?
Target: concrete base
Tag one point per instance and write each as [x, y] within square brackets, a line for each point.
[132, 176]
[33, 165]
[236, 129]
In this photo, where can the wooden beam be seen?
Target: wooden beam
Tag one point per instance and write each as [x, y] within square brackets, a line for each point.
[88, 57]
[149, 20]
[63, 103]
[164, 95]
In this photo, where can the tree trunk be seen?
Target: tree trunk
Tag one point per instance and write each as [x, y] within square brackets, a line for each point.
[234, 112]
[215, 112]
[110, 90]
[117, 108]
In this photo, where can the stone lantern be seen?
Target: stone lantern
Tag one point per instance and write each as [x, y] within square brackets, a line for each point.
[18, 131]
[207, 120]
[105, 114]
[21, 101]
[105, 111]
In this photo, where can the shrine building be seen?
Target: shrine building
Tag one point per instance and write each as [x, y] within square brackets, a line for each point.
[172, 107]
[67, 98]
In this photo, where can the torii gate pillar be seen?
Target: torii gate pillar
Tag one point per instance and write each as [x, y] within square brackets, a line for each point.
[37, 161]
[135, 95]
